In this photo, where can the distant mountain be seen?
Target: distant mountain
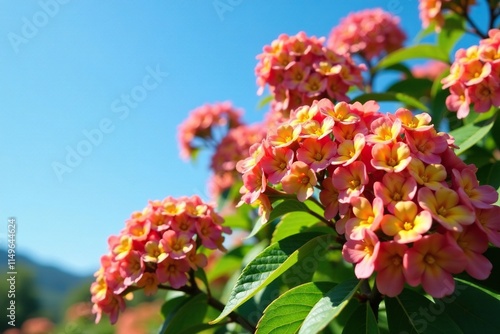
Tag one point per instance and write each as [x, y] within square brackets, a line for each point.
[53, 284]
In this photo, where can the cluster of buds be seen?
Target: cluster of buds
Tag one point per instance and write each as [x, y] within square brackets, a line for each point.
[475, 77]
[407, 206]
[199, 130]
[299, 70]
[432, 11]
[370, 33]
[158, 248]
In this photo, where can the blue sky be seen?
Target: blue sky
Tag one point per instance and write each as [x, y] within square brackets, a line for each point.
[68, 75]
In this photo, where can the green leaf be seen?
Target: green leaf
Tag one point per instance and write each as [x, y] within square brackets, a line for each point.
[431, 29]
[400, 68]
[170, 306]
[411, 312]
[229, 263]
[390, 96]
[490, 174]
[413, 52]
[362, 321]
[285, 314]
[414, 87]
[491, 283]
[287, 206]
[272, 263]
[240, 219]
[452, 31]
[190, 313]
[292, 224]
[329, 307]
[468, 135]
[264, 101]
[472, 309]
[496, 131]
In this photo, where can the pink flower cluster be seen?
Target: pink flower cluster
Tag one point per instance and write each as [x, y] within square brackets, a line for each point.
[431, 11]
[299, 70]
[232, 148]
[199, 128]
[409, 208]
[158, 247]
[475, 77]
[370, 33]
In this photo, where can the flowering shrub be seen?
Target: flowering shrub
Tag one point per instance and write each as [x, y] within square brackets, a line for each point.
[159, 248]
[383, 181]
[475, 77]
[345, 208]
[299, 70]
[370, 33]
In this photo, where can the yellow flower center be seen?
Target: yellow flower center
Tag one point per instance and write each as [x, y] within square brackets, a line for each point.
[396, 197]
[408, 226]
[429, 259]
[396, 261]
[354, 183]
[442, 211]
[368, 250]
[318, 156]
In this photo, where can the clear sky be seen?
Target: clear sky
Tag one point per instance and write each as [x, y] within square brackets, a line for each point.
[125, 74]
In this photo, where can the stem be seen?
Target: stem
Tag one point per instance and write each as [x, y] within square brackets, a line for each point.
[235, 317]
[465, 14]
[372, 295]
[375, 298]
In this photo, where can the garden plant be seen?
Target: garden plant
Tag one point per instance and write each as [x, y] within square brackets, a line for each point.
[350, 208]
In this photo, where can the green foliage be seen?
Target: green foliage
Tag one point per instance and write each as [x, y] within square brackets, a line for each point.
[270, 264]
[362, 321]
[426, 51]
[411, 312]
[329, 306]
[286, 314]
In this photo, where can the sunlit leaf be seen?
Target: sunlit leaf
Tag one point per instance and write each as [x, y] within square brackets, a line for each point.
[329, 307]
[287, 206]
[427, 51]
[468, 135]
[452, 30]
[294, 223]
[272, 263]
[285, 314]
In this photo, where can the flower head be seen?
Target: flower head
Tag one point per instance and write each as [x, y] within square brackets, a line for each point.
[371, 33]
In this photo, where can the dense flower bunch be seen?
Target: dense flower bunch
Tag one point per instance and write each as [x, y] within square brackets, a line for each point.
[198, 129]
[158, 248]
[370, 33]
[408, 207]
[475, 77]
[232, 148]
[431, 11]
[299, 70]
